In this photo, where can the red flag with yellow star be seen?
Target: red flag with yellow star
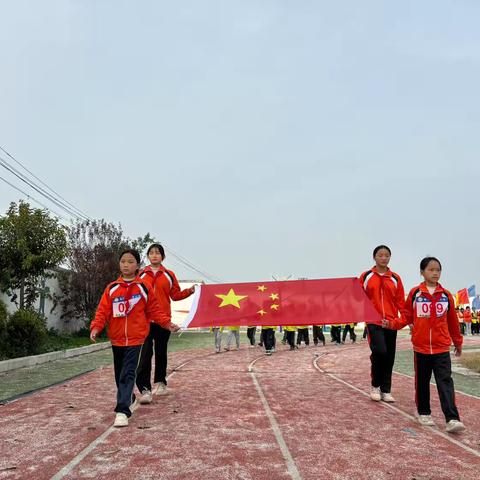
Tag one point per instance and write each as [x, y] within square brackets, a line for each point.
[298, 302]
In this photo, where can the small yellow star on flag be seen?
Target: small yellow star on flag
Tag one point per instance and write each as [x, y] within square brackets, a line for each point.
[261, 288]
[262, 312]
[274, 306]
[274, 296]
[231, 299]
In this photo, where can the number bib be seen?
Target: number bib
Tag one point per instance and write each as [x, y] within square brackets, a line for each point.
[119, 305]
[424, 307]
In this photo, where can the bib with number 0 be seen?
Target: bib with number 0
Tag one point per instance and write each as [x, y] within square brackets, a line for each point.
[120, 305]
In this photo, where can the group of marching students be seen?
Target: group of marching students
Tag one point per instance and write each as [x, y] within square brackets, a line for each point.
[292, 335]
[469, 321]
[136, 309]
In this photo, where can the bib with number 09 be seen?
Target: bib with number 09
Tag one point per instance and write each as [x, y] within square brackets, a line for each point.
[424, 306]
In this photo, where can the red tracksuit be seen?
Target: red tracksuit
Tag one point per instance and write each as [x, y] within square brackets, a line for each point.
[165, 287]
[435, 326]
[388, 297]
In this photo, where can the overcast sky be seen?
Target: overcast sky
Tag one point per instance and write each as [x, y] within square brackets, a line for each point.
[256, 137]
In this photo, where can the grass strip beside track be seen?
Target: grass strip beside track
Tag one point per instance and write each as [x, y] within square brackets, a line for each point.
[29, 379]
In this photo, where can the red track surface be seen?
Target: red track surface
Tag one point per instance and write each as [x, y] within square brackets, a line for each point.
[214, 425]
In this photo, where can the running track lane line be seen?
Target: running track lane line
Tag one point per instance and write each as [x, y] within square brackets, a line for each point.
[395, 409]
[431, 383]
[89, 448]
[292, 468]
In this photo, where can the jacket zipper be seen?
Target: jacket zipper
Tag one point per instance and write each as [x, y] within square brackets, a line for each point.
[381, 296]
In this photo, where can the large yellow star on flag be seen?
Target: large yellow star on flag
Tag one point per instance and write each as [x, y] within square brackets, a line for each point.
[231, 299]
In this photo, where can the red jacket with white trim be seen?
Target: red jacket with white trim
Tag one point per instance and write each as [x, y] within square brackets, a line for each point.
[435, 322]
[165, 286]
[385, 291]
[127, 309]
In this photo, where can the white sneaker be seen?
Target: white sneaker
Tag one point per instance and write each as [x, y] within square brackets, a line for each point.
[387, 397]
[121, 420]
[426, 420]
[375, 394]
[161, 389]
[145, 397]
[454, 426]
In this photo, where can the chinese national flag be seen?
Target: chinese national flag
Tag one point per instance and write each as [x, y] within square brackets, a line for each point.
[299, 302]
[462, 297]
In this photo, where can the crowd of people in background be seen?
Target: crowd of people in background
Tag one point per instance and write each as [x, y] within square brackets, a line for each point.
[293, 336]
[469, 321]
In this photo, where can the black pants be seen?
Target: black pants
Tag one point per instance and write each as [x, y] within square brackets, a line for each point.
[318, 334]
[251, 334]
[158, 336]
[336, 332]
[125, 361]
[268, 338]
[260, 343]
[302, 334]
[441, 366]
[290, 339]
[383, 343]
[348, 328]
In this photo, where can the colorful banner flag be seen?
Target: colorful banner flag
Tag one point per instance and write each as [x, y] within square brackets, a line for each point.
[462, 297]
[298, 302]
[471, 291]
[476, 303]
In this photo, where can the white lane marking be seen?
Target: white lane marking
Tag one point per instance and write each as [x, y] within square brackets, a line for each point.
[292, 468]
[88, 449]
[432, 383]
[397, 410]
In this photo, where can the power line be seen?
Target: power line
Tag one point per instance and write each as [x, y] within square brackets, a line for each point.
[34, 199]
[44, 184]
[39, 190]
[186, 263]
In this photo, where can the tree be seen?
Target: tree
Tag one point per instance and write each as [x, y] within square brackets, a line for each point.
[92, 262]
[32, 245]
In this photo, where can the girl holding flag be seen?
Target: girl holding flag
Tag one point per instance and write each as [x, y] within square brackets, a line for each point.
[385, 289]
[127, 307]
[431, 310]
[165, 287]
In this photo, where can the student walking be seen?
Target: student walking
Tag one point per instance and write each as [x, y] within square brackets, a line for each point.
[251, 335]
[164, 285]
[303, 335]
[233, 333]
[385, 289]
[336, 331]
[349, 328]
[217, 332]
[467, 318]
[431, 310]
[127, 307]
[290, 334]
[317, 331]
[268, 336]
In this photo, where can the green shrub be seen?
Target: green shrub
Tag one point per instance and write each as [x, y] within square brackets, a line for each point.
[3, 330]
[26, 333]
